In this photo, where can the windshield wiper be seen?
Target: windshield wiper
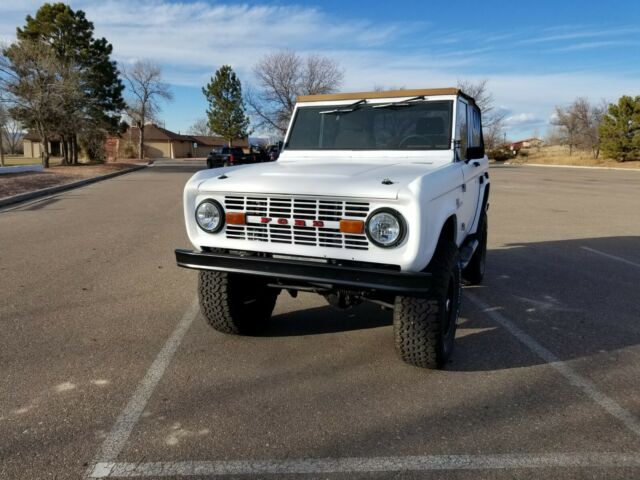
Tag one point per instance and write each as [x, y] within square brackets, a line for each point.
[347, 109]
[401, 103]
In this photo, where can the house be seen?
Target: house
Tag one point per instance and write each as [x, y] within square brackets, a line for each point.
[525, 143]
[158, 143]
[32, 146]
[162, 143]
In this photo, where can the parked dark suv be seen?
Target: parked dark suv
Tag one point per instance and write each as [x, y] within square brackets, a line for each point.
[226, 156]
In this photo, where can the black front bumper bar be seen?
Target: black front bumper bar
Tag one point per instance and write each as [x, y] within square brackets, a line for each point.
[310, 273]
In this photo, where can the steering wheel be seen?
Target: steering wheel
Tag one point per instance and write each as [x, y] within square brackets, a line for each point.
[406, 139]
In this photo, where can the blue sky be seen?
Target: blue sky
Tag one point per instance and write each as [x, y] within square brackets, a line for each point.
[535, 54]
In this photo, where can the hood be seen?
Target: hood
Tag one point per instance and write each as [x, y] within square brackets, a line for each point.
[322, 177]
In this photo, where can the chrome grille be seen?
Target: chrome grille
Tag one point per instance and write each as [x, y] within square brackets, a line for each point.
[298, 208]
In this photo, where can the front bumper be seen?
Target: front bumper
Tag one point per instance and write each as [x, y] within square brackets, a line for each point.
[307, 273]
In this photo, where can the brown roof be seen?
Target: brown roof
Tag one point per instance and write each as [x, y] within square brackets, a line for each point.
[35, 137]
[154, 132]
[31, 135]
[428, 92]
[532, 139]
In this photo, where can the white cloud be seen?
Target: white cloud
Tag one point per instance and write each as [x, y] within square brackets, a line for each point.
[523, 120]
[571, 33]
[191, 40]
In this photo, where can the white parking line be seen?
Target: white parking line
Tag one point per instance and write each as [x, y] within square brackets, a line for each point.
[115, 441]
[105, 465]
[612, 257]
[588, 387]
[368, 465]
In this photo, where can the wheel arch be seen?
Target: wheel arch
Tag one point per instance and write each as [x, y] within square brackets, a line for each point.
[449, 230]
[483, 207]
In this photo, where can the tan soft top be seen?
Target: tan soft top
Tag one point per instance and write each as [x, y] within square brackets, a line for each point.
[427, 92]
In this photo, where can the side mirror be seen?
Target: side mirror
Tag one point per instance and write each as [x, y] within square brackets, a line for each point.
[474, 153]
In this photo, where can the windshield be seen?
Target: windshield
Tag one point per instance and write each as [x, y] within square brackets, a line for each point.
[407, 126]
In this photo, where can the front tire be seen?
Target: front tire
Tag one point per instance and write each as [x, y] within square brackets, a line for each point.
[425, 328]
[235, 304]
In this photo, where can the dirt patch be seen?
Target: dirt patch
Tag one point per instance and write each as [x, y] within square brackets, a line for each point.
[16, 183]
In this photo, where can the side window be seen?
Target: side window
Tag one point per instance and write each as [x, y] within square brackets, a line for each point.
[463, 130]
[475, 123]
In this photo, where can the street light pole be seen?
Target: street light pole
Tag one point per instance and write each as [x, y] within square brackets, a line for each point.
[1, 147]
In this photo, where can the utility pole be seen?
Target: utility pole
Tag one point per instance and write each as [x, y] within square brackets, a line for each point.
[1, 146]
[2, 120]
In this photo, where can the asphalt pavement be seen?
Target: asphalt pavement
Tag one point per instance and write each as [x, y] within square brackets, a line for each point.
[107, 368]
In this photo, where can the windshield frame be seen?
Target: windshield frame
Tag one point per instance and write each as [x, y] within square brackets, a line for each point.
[375, 104]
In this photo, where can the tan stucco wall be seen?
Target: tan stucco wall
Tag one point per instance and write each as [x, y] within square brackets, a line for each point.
[202, 151]
[181, 149]
[157, 149]
[31, 149]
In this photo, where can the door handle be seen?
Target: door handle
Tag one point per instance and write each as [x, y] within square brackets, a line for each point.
[476, 164]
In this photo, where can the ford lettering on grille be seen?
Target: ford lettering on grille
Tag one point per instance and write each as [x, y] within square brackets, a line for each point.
[297, 220]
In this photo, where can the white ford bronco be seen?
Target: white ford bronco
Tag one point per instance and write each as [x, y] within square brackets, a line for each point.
[377, 196]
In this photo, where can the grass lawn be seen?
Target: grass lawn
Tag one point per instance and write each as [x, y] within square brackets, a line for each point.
[16, 160]
[559, 155]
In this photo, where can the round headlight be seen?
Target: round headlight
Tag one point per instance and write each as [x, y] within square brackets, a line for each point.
[209, 216]
[385, 227]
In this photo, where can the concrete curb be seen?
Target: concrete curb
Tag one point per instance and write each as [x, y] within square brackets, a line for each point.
[23, 197]
[571, 166]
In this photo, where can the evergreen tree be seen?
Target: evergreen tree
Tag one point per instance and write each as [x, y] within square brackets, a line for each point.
[620, 130]
[226, 114]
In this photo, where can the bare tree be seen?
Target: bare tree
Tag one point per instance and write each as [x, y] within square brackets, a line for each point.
[493, 136]
[554, 135]
[569, 125]
[281, 78]
[492, 120]
[11, 134]
[383, 88]
[147, 89]
[30, 74]
[578, 125]
[201, 127]
[588, 118]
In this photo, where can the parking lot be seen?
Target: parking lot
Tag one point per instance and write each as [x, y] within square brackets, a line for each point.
[108, 370]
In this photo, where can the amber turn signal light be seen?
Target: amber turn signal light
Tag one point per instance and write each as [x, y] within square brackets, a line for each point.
[235, 218]
[352, 226]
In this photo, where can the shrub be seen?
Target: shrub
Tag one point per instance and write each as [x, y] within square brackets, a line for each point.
[500, 154]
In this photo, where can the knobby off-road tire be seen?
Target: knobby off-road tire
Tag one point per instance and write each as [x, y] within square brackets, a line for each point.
[235, 304]
[474, 271]
[425, 328]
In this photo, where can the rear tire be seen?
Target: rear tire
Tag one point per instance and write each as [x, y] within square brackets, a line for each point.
[235, 304]
[425, 328]
[474, 271]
